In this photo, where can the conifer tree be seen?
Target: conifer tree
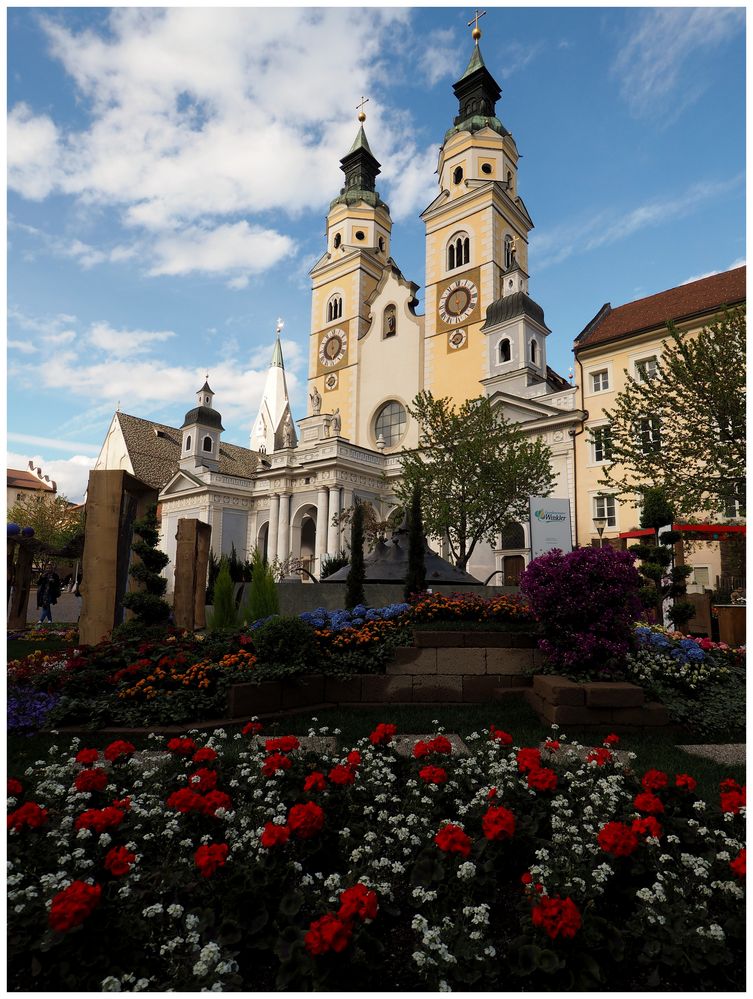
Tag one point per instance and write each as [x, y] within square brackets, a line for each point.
[224, 614]
[416, 578]
[147, 603]
[354, 593]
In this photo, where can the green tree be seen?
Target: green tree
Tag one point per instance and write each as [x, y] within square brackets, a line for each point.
[262, 600]
[146, 602]
[224, 613]
[683, 429]
[375, 527]
[54, 521]
[357, 573]
[663, 577]
[475, 471]
[416, 578]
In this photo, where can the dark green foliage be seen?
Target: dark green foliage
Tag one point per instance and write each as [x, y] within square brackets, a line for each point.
[213, 570]
[416, 579]
[240, 571]
[332, 564]
[286, 645]
[354, 584]
[715, 713]
[147, 603]
[224, 614]
[657, 511]
[657, 566]
[262, 600]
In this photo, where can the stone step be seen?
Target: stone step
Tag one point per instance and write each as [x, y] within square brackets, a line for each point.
[474, 639]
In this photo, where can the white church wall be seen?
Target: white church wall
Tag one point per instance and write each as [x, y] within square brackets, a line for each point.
[234, 532]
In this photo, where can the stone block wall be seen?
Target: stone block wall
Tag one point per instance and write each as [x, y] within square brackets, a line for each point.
[560, 701]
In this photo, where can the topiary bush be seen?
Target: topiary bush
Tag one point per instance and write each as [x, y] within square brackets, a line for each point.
[262, 600]
[285, 646]
[147, 603]
[224, 613]
[586, 603]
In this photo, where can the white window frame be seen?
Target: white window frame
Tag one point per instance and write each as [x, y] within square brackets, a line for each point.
[707, 568]
[637, 373]
[604, 512]
[592, 428]
[604, 385]
[593, 369]
[654, 430]
[458, 234]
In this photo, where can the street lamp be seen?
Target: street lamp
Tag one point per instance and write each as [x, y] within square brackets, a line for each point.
[600, 523]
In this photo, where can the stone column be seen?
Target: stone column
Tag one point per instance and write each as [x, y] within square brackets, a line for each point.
[283, 528]
[274, 519]
[322, 519]
[333, 533]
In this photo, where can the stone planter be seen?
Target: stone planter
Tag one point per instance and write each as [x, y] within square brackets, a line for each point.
[557, 700]
[731, 623]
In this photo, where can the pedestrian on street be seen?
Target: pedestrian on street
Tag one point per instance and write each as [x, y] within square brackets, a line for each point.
[48, 591]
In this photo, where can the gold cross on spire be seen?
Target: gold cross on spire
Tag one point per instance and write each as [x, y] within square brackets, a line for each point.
[359, 108]
[476, 33]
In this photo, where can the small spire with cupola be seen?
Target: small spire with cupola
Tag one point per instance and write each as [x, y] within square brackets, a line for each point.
[200, 433]
[273, 428]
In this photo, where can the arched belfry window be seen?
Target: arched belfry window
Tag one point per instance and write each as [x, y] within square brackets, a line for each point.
[504, 351]
[207, 445]
[188, 443]
[534, 352]
[458, 251]
[509, 251]
[337, 241]
[334, 308]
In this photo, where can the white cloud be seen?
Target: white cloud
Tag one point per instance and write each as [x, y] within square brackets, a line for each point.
[439, 56]
[651, 65]
[23, 346]
[200, 116]
[224, 249]
[32, 152]
[124, 343]
[583, 235]
[71, 475]
[740, 262]
[515, 56]
[53, 443]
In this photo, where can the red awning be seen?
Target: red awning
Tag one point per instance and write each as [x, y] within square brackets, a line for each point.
[713, 529]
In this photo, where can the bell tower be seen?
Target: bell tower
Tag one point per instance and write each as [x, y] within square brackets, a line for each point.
[476, 235]
[344, 279]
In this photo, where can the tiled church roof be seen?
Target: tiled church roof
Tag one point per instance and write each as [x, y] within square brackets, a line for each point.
[676, 305]
[154, 449]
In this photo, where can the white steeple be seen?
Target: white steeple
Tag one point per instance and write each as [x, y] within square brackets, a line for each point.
[273, 428]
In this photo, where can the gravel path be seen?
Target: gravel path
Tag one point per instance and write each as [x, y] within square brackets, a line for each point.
[734, 753]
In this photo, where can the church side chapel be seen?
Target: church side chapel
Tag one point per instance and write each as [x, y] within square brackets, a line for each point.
[481, 334]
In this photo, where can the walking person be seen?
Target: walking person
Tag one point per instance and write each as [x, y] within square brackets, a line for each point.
[48, 591]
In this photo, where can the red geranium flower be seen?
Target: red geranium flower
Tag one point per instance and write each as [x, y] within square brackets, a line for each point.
[119, 748]
[382, 734]
[491, 794]
[599, 756]
[182, 747]
[87, 756]
[358, 901]
[453, 839]
[558, 917]
[252, 728]
[203, 780]
[685, 782]
[216, 799]
[728, 784]
[205, 755]
[185, 800]
[738, 864]
[71, 906]
[647, 802]
[526, 878]
[611, 739]
[498, 735]
[274, 835]
[498, 823]
[209, 857]
[733, 801]
[118, 861]
[29, 814]
[528, 759]
[306, 820]
[647, 826]
[315, 782]
[91, 780]
[15, 787]
[124, 803]
[328, 933]
[542, 779]
[439, 744]
[654, 780]
[433, 775]
[618, 839]
[283, 744]
[99, 819]
[552, 745]
[354, 758]
[341, 775]
[274, 763]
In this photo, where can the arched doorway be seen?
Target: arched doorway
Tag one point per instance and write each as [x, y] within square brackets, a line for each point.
[308, 543]
[303, 538]
[262, 540]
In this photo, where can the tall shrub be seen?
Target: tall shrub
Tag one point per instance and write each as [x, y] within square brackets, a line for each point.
[416, 578]
[663, 577]
[357, 574]
[224, 613]
[147, 603]
[586, 603]
[262, 598]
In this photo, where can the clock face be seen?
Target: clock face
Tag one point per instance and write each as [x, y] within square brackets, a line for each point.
[457, 339]
[332, 347]
[458, 301]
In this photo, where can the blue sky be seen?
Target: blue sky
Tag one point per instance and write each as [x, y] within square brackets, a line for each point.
[170, 172]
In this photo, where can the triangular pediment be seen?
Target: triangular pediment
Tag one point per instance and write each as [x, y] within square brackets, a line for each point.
[182, 481]
[519, 410]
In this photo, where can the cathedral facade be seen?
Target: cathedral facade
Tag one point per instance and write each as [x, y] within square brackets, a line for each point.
[370, 353]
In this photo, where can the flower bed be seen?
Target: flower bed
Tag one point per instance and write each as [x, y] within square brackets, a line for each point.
[260, 865]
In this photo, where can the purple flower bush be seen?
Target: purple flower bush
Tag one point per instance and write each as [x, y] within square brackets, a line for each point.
[586, 603]
[28, 709]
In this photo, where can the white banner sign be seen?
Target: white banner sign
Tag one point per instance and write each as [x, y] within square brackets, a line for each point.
[550, 525]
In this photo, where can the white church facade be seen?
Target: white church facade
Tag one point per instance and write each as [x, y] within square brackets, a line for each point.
[370, 353]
